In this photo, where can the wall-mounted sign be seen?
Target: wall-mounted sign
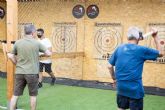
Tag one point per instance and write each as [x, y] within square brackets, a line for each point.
[2, 13]
[78, 11]
[92, 11]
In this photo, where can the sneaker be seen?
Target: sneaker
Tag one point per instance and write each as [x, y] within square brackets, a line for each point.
[53, 81]
[39, 84]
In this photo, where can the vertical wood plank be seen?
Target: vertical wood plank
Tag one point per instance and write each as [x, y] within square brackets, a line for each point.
[12, 21]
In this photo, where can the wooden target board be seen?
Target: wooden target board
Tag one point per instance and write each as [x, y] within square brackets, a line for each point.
[64, 41]
[64, 37]
[68, 67]
[161, 34]
[102, 70]
[107, 37]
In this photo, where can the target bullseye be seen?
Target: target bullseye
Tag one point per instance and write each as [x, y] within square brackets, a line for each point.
[107, 40]
[162, 42]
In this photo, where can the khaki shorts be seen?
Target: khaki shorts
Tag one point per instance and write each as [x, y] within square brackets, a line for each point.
[20, 83]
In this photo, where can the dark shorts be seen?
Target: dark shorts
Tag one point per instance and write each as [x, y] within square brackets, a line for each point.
[46, 67]
[21, 80]
[126, 103]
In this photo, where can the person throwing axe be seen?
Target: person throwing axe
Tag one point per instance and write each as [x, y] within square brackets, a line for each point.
[128, 60]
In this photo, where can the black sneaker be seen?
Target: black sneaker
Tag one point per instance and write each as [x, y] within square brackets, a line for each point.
[53, 81]
[39, 84]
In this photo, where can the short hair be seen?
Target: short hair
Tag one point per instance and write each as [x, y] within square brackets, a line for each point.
[133, 33]
[41, 30]
[132, 38]
[29, 29]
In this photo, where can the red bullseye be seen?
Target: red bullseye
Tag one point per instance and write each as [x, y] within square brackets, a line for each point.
[107, 40]
[162, 42]
[63, 39]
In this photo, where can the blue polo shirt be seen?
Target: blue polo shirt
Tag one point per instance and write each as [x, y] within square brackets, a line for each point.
[128, 60]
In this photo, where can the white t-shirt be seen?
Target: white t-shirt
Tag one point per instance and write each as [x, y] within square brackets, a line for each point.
[46, 42]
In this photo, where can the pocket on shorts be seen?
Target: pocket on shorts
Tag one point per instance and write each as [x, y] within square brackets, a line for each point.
[32, 78]
[19, 76]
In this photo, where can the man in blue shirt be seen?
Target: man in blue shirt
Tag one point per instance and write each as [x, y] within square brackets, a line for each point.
[128, 60]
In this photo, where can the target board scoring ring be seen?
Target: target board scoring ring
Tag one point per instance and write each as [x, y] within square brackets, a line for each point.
[64, 39]
[106, 40]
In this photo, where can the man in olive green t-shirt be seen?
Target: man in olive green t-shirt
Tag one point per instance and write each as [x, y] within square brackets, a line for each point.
[25, 55]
